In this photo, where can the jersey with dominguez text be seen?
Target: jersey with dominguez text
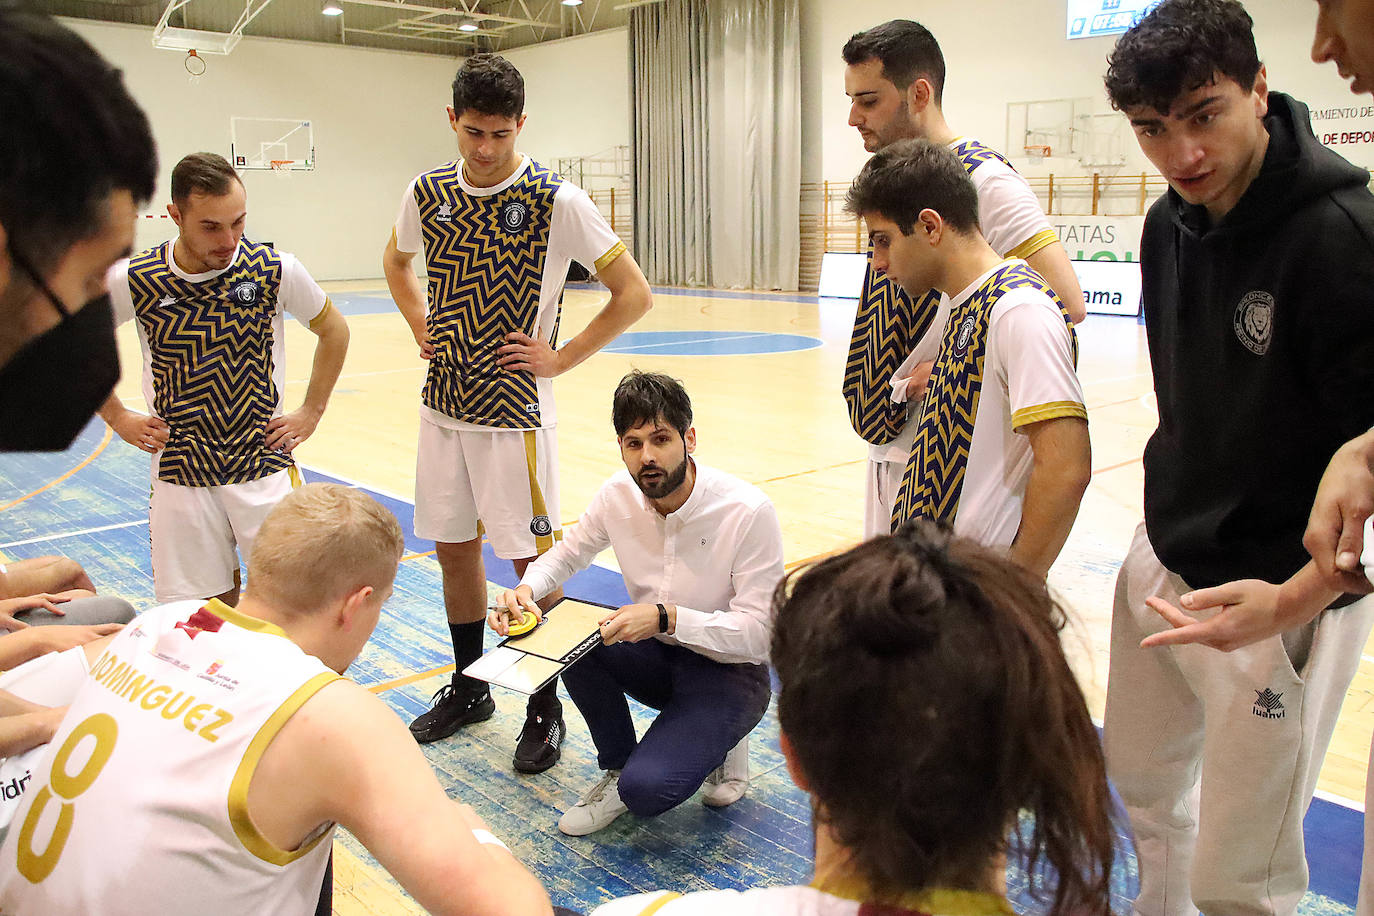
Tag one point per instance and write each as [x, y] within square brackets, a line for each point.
[1007, 360]
[214, 356]
[141, 803]
[496, 260]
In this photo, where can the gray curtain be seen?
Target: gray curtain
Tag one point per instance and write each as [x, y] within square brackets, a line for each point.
[717, 142]
[668, 137]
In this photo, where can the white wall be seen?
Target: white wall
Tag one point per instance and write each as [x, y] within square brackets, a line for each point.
[379, 115]
[378, 118]
[577, 96]
[1023, 56]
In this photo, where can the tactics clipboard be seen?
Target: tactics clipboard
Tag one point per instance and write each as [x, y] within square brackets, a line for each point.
[570, 629]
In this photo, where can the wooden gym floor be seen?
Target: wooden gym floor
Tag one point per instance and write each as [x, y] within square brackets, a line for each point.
[763, 371]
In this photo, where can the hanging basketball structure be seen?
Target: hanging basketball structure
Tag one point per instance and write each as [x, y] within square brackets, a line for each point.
[195, 66]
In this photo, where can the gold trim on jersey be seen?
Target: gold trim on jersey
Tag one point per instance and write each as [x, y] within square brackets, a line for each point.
[243, 621]
[319, 317]
[1033, 244]
[616, 251]
[933, 481]
[538, 508]
[945, 901]
[667, 898]
[244, 828]
[1051, 411]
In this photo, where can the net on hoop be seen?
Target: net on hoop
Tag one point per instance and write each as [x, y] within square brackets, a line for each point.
[1037, 154]
[281, 167]
[195, 66]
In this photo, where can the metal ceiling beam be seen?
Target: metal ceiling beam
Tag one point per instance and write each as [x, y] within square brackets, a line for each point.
[462, 10]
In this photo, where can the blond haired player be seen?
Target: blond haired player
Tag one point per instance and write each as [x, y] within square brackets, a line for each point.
[213, 750]
[499, 232]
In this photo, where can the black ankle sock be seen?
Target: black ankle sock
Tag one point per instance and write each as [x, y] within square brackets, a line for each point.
[545, 699]
[467, 648]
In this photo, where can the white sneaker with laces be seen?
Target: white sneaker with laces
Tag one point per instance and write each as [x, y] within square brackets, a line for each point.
[597, 809]
[729, 781]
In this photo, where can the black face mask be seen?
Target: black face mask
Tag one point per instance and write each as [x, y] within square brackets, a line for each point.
[50, 388]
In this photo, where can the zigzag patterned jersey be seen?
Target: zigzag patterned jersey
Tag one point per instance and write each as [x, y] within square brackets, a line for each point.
[888, 325]
[935, 473]
[210, 350]
[485, 257]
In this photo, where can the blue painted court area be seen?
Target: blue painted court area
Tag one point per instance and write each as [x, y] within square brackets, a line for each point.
[98, 515]
[655, 343]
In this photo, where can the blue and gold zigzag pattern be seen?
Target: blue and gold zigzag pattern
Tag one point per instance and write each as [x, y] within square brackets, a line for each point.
[210, 345]
[934, 477]
[972, 154]
[485, 279]
[887, 326]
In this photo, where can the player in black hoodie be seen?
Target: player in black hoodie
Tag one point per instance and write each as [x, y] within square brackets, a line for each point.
[1258, 272]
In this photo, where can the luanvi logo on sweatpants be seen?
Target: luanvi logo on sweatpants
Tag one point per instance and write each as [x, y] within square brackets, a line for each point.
[1268, 704]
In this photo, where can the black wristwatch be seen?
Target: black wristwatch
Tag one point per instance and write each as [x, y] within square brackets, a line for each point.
[662, 619]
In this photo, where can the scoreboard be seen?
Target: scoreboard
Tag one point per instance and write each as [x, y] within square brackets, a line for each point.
[1093, 18]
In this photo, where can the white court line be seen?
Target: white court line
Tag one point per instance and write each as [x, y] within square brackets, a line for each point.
[72, 534]
[678, 343]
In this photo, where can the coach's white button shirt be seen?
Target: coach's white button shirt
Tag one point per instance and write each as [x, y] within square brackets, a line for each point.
[718, 558]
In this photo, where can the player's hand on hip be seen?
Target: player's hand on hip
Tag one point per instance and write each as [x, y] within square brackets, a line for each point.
[426, 345]
[291, 429]
[1335, 529]
[630, 623]
[142, 431]
[511, 607]
[522, 353]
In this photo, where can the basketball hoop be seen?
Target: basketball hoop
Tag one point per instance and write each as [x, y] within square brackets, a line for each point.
[1037, 154]
[281, 167]
[195, 66]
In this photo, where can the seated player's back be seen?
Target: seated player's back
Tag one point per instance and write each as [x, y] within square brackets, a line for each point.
[141, 803]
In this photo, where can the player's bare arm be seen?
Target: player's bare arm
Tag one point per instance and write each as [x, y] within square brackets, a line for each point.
[331, 347]
[630, 300]
[51, 574]
[345, 757]
[1052, 262]
[408, 293]
[140, 430]
[1061, 468]
[31, 642]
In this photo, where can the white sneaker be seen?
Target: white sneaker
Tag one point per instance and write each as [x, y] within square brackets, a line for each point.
[729, 781]
[598, 808]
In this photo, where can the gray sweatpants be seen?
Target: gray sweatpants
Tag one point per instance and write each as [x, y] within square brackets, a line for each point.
[1215, 754]
[82, 611]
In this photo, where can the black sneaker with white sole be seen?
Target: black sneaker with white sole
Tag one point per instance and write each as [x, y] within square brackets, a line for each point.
[540, 739]
[452, 709]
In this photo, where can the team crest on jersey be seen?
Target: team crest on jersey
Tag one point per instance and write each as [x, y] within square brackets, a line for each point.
[541, 527]
[445, 213]
[965, 335]
[246, 292]
[1255, 321]
[515, 216]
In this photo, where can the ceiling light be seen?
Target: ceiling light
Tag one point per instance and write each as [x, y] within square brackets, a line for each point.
[331, 8]
[467, 25]
[572, 2]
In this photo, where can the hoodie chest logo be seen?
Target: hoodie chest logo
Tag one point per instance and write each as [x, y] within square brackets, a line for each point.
[1254, 321]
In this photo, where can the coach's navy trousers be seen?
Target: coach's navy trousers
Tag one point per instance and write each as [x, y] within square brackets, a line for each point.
[705, 708]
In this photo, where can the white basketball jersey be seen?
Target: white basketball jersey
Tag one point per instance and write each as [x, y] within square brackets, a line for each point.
[140, 804]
